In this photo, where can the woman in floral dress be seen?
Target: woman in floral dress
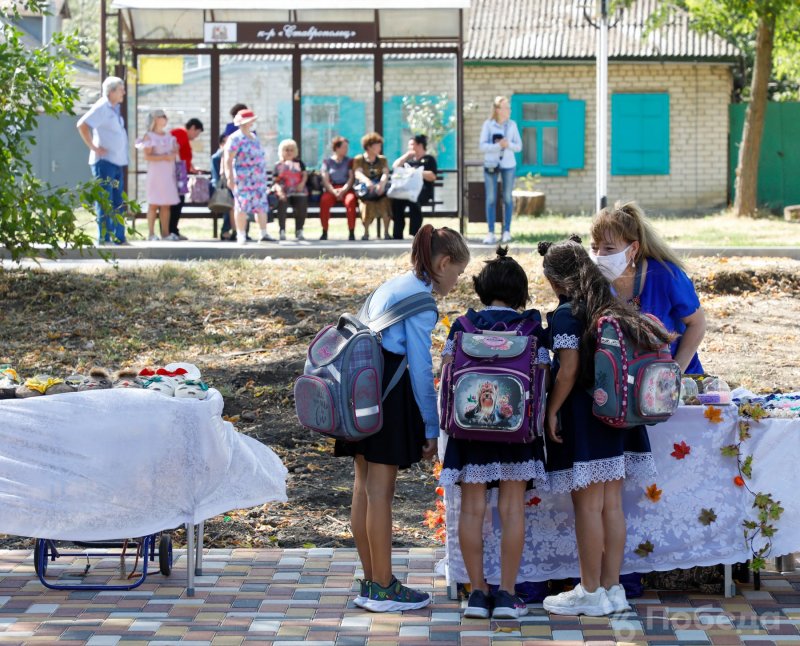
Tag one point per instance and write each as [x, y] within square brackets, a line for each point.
[246, 173]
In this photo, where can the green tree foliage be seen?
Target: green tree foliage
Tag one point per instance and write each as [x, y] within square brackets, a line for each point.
[36, 218]
[768, 34]
[427, 114]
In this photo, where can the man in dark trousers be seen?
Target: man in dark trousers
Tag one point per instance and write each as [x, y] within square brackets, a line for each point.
[183, 136]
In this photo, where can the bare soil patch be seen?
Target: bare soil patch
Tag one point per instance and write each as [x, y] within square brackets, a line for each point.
[247, 324]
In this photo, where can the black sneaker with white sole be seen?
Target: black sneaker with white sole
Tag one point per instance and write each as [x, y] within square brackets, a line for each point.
[479, 605]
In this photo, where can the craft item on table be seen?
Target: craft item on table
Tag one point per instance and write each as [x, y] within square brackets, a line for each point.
[689, 389]
[126, 378]
[161, 384]
[779, 405]
[192, 389]
[76, 380]
[42, 385]
[9, 381]
[715, 391]
[97, 379]
[190, 370]
[179, 375]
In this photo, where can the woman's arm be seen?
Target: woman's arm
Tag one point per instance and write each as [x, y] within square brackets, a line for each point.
[485, 143]
[301, 187]
[360, 175]
[227, 165]
[569, 367]
[514, 140]
[402, 159]
[691, 338]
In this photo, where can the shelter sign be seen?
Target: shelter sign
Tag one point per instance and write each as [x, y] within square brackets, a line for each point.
[303, 33]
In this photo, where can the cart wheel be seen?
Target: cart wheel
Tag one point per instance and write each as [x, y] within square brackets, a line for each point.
[42, 545]
[165, 554]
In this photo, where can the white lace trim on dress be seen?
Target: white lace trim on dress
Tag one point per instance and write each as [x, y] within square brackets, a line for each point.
[631, 466]
[566, 341]
[543, 356]
[528, 470]
[449, 347]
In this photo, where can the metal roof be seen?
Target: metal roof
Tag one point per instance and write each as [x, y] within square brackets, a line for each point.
[558, 30]
[298, 5]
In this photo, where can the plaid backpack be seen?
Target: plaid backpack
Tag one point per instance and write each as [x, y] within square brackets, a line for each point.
[632, 386]
[340, 393]
[494, 389]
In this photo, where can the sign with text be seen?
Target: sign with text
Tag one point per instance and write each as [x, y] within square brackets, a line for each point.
[219, 32]
[306, 33]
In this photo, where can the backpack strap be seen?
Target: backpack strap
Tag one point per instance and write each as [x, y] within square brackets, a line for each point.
[398, 374]
[467, 325]
[406, 308]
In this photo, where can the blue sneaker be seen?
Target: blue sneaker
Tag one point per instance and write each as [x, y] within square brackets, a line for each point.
[508, 606]
[394, 597]
[479, 605]
[361, 599]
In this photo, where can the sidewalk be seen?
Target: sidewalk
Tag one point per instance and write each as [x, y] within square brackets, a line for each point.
[249, 596]
[214, 249]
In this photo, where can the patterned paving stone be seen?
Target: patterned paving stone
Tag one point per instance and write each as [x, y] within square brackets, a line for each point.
[306, 596]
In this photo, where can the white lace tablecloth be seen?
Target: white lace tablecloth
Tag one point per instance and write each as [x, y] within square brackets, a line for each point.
[113, 464]
[701, 480]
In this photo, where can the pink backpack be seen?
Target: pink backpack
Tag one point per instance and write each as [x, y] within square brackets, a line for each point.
[494, 389]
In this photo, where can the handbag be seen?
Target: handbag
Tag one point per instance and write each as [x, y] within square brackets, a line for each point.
[222, 199]
[367, 192]
[406, 183]
[181, 177]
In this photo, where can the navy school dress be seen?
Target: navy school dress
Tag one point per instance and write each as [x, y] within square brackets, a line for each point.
[592, 451]
[472, 461]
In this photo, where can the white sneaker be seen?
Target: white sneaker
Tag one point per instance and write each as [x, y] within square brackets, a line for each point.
[506, 236]
[299, 235]
[616, 595]
[282, 234]
[579, 602]
[241, 239]
[153, 238]
[490, 239]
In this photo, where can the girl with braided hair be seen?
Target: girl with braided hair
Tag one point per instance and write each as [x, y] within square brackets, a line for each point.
[585, 456]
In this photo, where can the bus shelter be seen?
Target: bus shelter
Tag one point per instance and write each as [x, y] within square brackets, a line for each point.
[309, 71]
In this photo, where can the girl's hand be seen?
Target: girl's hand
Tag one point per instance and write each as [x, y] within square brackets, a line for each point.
[429, 449]
[551, 424]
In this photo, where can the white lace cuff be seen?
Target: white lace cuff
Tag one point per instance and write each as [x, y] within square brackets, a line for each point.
[566, 342]
[543, 356]
[449, 347]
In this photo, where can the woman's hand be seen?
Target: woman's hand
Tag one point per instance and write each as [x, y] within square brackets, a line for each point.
[429, 449]
[551, 424]
[503, 143]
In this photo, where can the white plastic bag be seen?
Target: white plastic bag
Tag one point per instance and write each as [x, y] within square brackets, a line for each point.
[406, 183]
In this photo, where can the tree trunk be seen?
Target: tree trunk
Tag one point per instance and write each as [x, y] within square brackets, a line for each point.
[746, 186]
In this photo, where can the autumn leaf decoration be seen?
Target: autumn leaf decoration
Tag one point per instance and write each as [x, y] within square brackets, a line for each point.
[681, 450]
[644, 550]
[534, 502]
[435, 518]
[713, 414]
[653, 493]
[446, 323]
[707, 516]
[738, 481]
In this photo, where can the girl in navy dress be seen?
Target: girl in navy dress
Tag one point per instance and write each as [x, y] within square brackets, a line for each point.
[646, 273]
[410, 419]
[585, 456]
[502, 287]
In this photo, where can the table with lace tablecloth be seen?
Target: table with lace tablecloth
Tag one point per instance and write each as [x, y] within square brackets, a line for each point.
[675, 525]
[109, 464]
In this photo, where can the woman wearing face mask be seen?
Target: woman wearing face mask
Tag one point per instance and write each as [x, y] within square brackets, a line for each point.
[645, 272]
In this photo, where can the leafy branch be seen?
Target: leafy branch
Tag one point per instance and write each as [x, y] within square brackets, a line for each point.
[769, 509]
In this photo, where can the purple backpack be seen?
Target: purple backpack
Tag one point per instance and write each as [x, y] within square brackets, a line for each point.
[341, 393]
[494, 389]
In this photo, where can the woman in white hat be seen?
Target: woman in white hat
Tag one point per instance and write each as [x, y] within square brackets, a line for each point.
[246, 172]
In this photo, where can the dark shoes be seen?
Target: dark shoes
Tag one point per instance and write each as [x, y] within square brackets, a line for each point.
[324, 235]
[479, 605]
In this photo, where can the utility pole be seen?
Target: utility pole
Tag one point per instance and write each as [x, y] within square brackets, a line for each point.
[601, 125]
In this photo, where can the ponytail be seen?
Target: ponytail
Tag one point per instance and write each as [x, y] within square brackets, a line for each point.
[429, 244]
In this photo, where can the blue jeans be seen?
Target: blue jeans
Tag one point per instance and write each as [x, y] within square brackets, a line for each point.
[490, 182]
[110, 176]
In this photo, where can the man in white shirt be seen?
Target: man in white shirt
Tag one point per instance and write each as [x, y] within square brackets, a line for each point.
[103, 131]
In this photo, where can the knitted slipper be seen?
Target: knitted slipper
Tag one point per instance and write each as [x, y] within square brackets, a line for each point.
[189, 369]
[161, 384]
[58, 387]
[76, 380]
[178, 375]
[9, 382]
[35, 386]
[126, 378]
[192, 389]
[98, 379]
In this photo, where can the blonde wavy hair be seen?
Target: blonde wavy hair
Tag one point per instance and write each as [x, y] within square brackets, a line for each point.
[286, 143]
[627, 221]
[496, 105]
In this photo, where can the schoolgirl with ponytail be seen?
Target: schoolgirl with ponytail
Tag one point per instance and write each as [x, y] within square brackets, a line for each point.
[585, 457]
[411, 421]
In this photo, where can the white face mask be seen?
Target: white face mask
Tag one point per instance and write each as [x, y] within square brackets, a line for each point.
[613, 265]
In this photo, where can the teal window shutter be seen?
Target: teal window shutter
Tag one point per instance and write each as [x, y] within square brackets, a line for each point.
[552, 128]
[640, 134]
[571, 134]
